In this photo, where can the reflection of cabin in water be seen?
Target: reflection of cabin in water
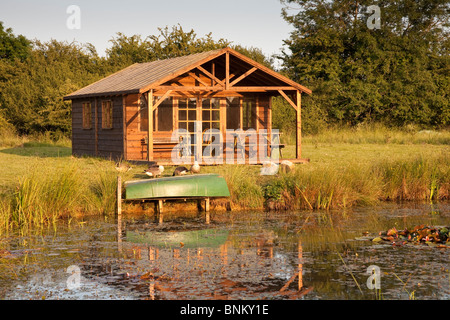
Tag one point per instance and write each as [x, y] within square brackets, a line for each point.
[220, 89]
[213, 264]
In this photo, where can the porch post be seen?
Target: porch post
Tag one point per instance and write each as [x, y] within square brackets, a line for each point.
[150, 126]
[96, 126]
[198, 156]
[298, 150]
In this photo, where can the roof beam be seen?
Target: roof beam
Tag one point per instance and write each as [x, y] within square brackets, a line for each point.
[210, 75]
[260, 88]
[227, 70]
[243, 76]
[269, 71]
[161, 100]
[193, 75]
[288, 100]
[190, 88]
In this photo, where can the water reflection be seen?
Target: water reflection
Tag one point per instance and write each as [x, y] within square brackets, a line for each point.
[252, 255]
[212, 263]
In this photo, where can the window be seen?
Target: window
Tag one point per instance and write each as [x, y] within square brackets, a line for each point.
[187, 116]
[87, 115]
[210, 114]
[187, 113]
[164, 115]
[249, 113]
[210, 120]
[143, 115]
[107, 115]
[233, 113]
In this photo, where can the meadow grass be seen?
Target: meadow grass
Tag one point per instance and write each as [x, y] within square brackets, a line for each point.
[41, 182]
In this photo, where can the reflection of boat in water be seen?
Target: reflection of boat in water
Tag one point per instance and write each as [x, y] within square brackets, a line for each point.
[203, 238]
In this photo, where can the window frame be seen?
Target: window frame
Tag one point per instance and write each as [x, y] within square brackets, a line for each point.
[107, 125]
[86, 118]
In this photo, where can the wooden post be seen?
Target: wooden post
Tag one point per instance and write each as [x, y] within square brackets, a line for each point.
[198, 156]
[208, 218]
[96, 127]
[160, 212]
[119, 213]
[300, 265]
[119, 196]
[223, 127]
[124, 124]
[298, 149]
[227, 70]
[150, 126]
[269, 127]
[241, 114]
[213, 71]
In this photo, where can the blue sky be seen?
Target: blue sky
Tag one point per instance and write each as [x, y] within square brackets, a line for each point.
[256, 23]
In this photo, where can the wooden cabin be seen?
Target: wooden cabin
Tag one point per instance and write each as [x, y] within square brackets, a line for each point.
[220, 89]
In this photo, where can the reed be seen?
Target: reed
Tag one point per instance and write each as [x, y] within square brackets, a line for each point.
[44, 196]
[101, 197]
[41, 198]
[245, 191]
[417, 179]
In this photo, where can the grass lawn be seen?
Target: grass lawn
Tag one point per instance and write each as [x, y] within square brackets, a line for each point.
[344, 154]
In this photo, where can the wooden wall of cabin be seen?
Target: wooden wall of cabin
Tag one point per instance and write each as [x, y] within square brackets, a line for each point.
[133, 136]
[83, 140]
[136, 132]
[96, 140]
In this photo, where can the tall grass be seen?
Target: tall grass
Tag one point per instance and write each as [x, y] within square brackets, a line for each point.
[9, 138]
[102, 196]
[244, 188]
[42, 197]
[420, 178]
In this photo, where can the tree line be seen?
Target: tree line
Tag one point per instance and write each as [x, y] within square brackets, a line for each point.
[397, 74]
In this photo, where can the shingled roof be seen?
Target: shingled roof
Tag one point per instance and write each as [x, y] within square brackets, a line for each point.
[138, 76]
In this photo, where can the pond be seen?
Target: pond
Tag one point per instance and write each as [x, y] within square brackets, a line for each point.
[239, 255]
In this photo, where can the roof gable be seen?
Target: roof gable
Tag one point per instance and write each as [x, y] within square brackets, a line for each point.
[141, 77]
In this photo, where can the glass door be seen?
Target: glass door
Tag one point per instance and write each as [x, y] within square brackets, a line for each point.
[210, 120]
[187, 116]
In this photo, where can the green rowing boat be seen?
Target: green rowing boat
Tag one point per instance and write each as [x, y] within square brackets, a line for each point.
[189, 186]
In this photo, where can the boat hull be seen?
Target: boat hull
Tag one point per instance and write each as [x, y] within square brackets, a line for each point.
[190, 186]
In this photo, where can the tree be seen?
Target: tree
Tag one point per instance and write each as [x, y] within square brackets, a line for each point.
[35, 75]
[397, 74]
[13, 47]
[32, 90]
[171, 43]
